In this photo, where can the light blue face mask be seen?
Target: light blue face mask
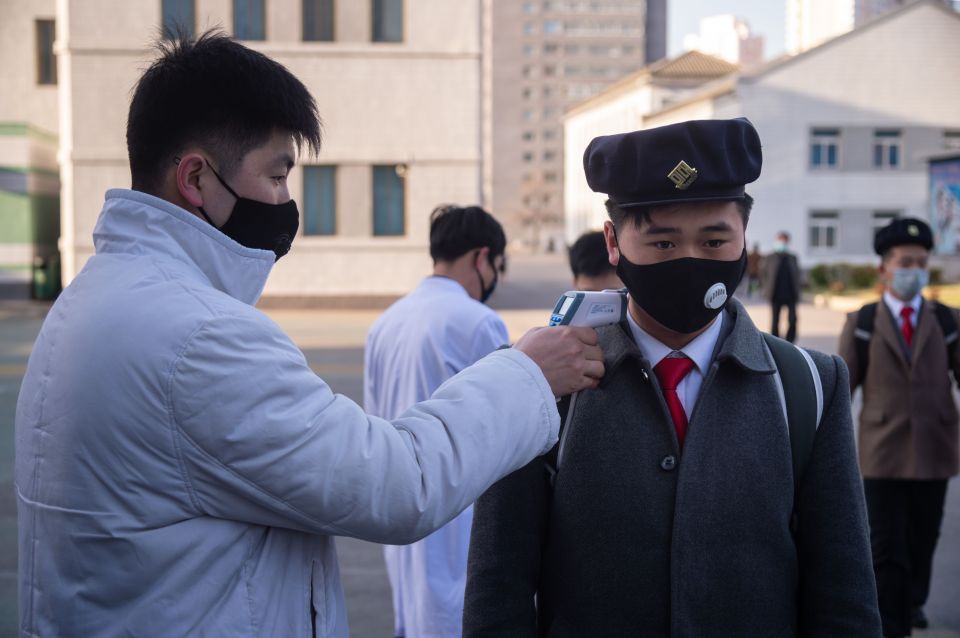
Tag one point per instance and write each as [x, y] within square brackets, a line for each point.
[908, 282]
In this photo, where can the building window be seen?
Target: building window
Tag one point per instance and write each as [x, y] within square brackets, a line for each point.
[550, 49]
[46, 60]
[549, 156]
[527, 157]
[824, 145]
[317, 20]
[389, 208]
[528, 136]
[526, 92]
[550, 177]
[529, 7]
[886, 148]
[249, 20]
[319, 200]
[551, 27]
[549, 134]
[387, 20]
[179, 18]
[529, 28]
[823, 228]
[951, 140]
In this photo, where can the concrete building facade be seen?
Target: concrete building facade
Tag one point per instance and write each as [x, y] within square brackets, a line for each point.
[545, 57]
[29, 179]
[847, 129]
[397, 82]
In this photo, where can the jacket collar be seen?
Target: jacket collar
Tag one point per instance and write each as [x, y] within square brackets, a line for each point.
[132, 222]
[740, 342]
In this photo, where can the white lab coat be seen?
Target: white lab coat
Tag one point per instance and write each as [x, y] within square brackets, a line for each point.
[180, 470]
[418, 343]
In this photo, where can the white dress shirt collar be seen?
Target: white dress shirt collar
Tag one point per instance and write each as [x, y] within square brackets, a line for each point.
[700, 350]
[896, 305]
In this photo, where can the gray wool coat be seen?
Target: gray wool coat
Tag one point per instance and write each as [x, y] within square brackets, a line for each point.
[636, 539]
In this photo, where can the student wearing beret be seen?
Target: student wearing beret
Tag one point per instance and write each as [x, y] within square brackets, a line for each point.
[901, 352]
[672, 505]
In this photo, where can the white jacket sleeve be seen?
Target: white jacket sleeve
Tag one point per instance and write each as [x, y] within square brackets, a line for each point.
[261, 439]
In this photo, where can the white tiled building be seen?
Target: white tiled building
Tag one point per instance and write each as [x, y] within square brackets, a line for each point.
[847, 128]
[397, 82]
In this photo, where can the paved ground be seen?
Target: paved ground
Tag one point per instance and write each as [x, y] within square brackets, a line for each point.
[333, 342]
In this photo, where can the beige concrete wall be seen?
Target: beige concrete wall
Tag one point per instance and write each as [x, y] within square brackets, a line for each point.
[414, 103]
[22, 100]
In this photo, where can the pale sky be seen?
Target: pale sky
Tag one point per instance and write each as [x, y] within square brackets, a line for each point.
[765, 17]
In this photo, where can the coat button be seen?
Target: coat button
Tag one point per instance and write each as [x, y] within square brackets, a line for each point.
[668, 462]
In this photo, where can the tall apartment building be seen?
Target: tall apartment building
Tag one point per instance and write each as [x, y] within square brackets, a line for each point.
[544, 57]
[397, 83]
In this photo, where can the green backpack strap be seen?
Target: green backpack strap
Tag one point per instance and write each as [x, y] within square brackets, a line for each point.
[802, 398]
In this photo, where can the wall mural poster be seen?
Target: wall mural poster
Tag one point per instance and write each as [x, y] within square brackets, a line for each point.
[945, 204]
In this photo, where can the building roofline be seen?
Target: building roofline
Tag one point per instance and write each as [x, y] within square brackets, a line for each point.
[787, 59]
[645, 75]
[757, 73]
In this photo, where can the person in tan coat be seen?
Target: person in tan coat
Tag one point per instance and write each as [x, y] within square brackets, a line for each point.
[901, 351]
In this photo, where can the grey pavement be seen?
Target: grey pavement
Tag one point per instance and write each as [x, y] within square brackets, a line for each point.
[333, 343]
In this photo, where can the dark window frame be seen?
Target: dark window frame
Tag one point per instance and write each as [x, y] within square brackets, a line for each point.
[332, 21]
[46, 57]
[250, 37]
[377, 32]
[322, 230]
[178, 28]
[384, 227]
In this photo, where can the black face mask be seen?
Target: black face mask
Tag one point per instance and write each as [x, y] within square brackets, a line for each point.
[484, 291]
[259, 225]
[685, 294]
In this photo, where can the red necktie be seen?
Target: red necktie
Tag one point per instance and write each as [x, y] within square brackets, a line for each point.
[906, 312]
[670, 372]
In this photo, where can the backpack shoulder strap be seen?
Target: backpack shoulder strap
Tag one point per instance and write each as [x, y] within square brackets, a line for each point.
[802, 396]
[948, 324]
[866, 317]
[552, 460]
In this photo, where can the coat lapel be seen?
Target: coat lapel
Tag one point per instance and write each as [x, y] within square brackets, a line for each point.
[886, 327]
[925, 322]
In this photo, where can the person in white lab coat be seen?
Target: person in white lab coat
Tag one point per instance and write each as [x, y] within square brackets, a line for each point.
[418, 343]
[180, 469]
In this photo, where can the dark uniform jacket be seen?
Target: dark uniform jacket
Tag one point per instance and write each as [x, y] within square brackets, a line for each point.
[781, 278]
[908, 425]
[636, 540]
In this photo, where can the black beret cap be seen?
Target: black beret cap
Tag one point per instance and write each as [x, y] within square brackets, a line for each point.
[901, 232]
[693, 161]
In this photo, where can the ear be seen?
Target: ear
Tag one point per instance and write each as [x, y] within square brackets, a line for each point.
[483, 255]
[189, 169]
[613, 248]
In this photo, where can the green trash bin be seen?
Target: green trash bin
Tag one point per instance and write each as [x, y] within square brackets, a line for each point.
[45, 277]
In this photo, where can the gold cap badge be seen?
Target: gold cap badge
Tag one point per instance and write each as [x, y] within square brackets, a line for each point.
[913, 230]
[683, 175]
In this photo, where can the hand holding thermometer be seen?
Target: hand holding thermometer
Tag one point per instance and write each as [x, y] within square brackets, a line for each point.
[585, 308]
[590, 308]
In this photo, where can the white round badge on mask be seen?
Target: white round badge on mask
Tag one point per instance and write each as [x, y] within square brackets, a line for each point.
[716, 296]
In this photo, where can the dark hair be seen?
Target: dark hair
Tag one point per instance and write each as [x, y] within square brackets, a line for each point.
[455, 231]
[638, 214]
[785, 235]
[218, 94]
[588, 255]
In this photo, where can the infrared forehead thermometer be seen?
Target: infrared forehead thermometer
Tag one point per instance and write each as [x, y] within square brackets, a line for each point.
[590, 308]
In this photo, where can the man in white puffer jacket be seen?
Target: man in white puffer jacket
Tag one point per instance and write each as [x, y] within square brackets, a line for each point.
[180, 470]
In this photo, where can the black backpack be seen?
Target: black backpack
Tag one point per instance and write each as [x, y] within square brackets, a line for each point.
[868, 316]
